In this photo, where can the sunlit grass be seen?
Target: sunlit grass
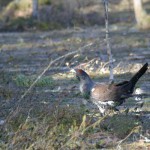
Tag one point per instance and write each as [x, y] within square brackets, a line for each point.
[26, 81]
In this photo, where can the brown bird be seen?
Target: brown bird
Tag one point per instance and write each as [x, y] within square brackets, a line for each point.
[106, 95]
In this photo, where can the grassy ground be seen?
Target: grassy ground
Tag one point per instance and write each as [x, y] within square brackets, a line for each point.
[53, 115]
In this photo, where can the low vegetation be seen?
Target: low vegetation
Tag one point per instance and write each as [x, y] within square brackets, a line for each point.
[53, 114]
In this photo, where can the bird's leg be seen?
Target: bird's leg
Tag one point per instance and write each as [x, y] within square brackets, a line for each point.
[115, 110]
[102, 110]
[138, 106]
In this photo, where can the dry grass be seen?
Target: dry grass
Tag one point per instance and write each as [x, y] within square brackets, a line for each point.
[69, 128]
[53, 115]
[61, 125]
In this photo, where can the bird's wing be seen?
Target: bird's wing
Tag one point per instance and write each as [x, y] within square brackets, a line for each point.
[104, 92]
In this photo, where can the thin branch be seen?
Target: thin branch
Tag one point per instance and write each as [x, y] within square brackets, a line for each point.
[94, 124]
[132, 131]
[17, 109]
[111, 78]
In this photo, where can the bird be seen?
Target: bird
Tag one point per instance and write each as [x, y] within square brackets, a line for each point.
[107, 95]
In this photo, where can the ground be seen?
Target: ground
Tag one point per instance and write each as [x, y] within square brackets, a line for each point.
[53, 114]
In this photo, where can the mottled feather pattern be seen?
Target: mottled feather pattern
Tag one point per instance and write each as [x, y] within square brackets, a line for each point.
[106, 95]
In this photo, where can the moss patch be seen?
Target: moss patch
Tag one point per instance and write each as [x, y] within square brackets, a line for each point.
[120, 125]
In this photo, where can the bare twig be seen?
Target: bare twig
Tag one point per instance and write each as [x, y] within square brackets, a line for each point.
[94, 124]
[111, 78]
[81, 131]
[132, 131]
[15, 110]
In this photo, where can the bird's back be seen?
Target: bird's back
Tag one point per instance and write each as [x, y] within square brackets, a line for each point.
[108, 92]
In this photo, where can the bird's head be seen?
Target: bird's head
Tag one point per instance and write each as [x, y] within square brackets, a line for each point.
[85, 82]
[81, 75]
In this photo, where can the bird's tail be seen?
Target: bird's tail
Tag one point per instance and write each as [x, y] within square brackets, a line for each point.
[137, 76]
